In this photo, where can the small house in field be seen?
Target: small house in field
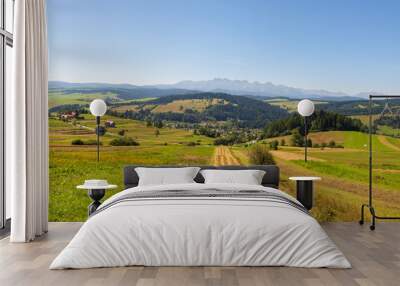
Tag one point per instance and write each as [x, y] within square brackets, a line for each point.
[68, 115]
[110, 123]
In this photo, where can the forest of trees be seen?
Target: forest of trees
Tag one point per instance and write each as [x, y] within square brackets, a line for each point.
[320, 121]
[392, 121]
[78, 108]
[248, 112]
[359, 107]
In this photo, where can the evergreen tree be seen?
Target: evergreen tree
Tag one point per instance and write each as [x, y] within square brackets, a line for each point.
[297, 139]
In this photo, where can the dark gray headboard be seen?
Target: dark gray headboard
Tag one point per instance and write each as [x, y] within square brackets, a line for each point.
[271, 177]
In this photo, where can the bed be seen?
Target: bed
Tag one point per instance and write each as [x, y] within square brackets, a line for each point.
[198, 224]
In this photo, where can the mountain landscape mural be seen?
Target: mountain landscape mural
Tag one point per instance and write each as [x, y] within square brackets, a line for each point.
[215, 83]
[218, 122]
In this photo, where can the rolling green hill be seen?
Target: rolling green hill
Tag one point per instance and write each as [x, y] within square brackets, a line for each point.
[344, 173]
[118, 92]
[320, 121]
[290, 104]
[203, 107]
[360, 107]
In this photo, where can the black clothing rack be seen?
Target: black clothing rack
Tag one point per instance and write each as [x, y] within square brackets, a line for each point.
[370, 202]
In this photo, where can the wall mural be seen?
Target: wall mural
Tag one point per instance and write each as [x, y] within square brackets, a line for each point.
[181, 90]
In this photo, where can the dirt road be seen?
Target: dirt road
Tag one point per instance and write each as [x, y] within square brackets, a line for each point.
[384, 141]
[223, 156]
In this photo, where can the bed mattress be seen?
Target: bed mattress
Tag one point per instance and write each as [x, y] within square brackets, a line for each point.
[201, 225]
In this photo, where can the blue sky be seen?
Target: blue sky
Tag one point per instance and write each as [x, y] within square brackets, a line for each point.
[340, 45]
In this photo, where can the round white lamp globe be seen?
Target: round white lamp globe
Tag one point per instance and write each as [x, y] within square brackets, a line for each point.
[305, 107]
[98, 107]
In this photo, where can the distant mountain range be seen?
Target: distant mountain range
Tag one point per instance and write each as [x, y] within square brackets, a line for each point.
[267, 89]
[234, 87]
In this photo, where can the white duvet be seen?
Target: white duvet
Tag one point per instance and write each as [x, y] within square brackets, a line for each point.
[200, 231]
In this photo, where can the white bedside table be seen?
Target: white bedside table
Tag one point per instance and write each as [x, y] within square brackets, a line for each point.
[96, 193]
[304, 190]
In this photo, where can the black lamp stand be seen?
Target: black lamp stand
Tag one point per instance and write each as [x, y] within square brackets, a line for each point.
[306, 140]
[98, 137]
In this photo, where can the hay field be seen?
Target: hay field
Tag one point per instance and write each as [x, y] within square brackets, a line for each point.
[70, 165]
[344, 172]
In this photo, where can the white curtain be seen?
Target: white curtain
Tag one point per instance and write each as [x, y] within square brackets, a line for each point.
[28, 122]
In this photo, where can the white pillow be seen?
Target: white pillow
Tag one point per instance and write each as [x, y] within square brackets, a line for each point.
[248, 177]
[166, 176]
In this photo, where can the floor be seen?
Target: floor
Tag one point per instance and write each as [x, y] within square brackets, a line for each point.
[375, 257]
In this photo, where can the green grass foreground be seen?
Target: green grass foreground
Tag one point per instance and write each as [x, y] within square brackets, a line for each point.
[344, 172]
[71, 165]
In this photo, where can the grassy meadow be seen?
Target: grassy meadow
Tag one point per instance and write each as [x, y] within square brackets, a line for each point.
[60, 98]
[344, 172]
[70, 164]
[57, 98]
